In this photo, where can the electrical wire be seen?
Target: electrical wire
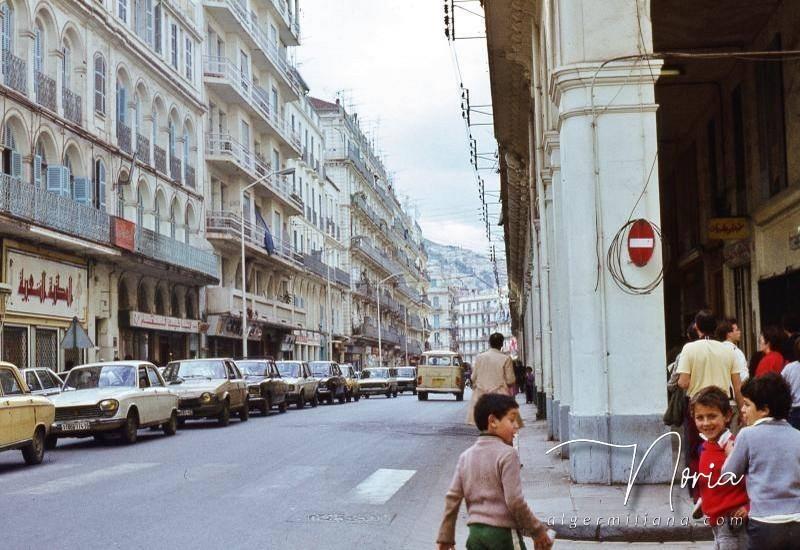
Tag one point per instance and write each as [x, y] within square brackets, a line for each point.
[615, 265]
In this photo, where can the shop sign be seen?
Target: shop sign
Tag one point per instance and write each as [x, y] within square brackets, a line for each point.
[45, 287]
[306, 337]
[123, 233]
[728, 229]
[151, 321]
[227, 326]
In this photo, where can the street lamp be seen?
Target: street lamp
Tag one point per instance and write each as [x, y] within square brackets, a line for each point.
[285, 172]
[378, 292]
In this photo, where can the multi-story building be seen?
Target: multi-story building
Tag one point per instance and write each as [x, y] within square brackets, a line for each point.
[386, 255]
[443, 320]
[249, 83]
[101, 192]
[481, 313]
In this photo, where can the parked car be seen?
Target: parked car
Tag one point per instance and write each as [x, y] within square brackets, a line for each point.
[42, 381]
[208, 388]
[377, 381]
[332, 384]
[351, 379]
[114, 398]
[440, 372]
[301, 386]
[407, 379]
[264, 384]
[25, 419]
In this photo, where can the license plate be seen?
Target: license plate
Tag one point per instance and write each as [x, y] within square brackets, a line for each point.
[73, 426]
[185, 412]
[439, 382]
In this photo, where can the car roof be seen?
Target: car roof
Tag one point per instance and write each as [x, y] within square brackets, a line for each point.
[440, 352]
[7, 364]
[203, 359]
[129, 363]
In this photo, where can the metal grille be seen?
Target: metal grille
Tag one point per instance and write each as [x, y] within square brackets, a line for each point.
[189, 403]
[72, 358]
[74, 413]
[15, 346]
[46, 349]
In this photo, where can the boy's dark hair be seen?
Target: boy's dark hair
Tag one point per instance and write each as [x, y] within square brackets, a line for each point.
[705, 322]
[769, 391]
[496, 404]
[530, 369]
[724, 328]
[496, 340]
[691, 332]
[790, 322]
[773, 336]
[711, 396]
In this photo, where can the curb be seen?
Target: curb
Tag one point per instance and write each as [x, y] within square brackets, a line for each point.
[609, 533]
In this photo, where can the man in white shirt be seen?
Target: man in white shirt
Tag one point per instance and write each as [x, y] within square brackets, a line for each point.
[729, 333]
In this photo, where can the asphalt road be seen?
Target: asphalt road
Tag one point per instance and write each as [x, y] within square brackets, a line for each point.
[367, 475]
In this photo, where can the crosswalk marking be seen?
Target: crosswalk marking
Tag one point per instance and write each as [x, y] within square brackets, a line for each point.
[381, 485]
[73, 482]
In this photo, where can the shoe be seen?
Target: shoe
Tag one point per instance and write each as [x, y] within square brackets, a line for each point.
[697, 511]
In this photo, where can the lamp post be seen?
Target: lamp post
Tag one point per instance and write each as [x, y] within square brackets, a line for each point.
[285, 172]
[378, 292]
[405, 330]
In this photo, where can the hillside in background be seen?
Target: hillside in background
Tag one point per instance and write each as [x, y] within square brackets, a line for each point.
[462, 267]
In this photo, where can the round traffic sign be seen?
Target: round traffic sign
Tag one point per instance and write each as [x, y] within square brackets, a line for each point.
[641, 242]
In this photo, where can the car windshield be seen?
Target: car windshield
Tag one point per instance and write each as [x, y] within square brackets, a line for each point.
[289, 370]
[346, 371]
[253, 368]
[195, 369]
[375, 373]
[406, 372]
[320, 369]
[107, 376]
[440, 361]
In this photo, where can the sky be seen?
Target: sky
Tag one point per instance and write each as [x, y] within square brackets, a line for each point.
[389, 61]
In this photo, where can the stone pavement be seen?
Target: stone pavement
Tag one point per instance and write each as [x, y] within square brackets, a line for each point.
[582, 512]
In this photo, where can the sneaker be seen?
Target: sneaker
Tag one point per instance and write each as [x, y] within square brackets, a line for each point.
[697, 512]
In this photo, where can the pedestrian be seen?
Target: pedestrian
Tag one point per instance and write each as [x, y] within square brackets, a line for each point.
[725, 504]
[492, 373]
[791, 373]
[791, 331]
[729, 333]
[770, 342]
[703, 363]
[766, 452]
[487, 477]
[530, 385]
[519, 377]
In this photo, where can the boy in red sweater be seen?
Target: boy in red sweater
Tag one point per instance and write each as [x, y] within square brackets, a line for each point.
[724, 501]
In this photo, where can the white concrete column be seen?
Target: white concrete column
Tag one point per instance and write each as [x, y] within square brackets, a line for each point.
[608, 143]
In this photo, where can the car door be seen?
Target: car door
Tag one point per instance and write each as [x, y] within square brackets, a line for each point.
[236, 386]
[19, 406]
[146, 398]
[309, 383]
[276, 383]
[165, 402]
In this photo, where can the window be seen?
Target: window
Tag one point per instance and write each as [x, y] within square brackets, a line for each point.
[100, 84]
[771, 125]
[7, 30]
[152, 375]
[99, 184]
[66, 67]
[122, 9]
[189, 59]
[38, 48]
[122, 103]
[139, 208]
[157, 27]
[173, 40]
[32, 381]
[9, 383]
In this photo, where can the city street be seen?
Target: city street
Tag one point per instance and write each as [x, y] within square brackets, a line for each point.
[361, 475]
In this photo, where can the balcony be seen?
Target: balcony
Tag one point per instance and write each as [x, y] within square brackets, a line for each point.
[45, 90]
[233, 158]
[40, 207]
[73, 107]
[277, 312]
[124, 137]
[361, 244]
[166, 249]
[15, 73]
[313, 264]
[367, 329]
[142, 148]
[175, 169]
[226, 227]
[290, 18]
[359, 164]
[160, 157]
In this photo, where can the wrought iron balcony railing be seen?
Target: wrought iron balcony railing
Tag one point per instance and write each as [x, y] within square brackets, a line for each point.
[175, 169]
[124, 137]
[142, 148]
[229, 224]
[317, 266]
[15, 72]
[73, 107]
[166, 249]
[45, 90]
[160, 157]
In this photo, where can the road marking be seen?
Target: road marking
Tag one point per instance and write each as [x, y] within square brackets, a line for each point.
[381, 485]
[73, 482]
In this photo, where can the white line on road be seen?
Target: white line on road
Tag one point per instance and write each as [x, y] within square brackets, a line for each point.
[73, 482]
[381, 485]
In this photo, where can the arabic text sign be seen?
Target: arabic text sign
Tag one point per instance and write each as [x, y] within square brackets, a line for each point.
[139, 319]
[728, 229]
[45, 287]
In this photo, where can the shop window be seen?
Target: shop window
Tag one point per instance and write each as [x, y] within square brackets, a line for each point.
[15, 346]
[47, 348]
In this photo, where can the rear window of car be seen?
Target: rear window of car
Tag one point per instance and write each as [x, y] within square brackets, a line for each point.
[440, 361]
[48, 380]
[9, 383]
[406, 373]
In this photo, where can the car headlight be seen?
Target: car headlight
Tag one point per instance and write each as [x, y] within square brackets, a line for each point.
[108, 405]
[290, 387]
[206, 397]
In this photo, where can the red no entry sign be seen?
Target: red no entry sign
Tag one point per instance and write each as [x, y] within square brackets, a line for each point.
[641, 242]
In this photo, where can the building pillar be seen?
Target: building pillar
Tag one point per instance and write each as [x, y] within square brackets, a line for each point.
[608, 143]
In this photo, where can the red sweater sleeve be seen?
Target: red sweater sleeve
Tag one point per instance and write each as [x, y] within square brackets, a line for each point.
[771, 362]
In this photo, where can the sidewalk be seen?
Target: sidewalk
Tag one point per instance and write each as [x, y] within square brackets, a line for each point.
[597, 512]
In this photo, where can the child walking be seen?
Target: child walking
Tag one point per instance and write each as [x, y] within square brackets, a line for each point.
[724, 503]
[767, 452]
[487, 477]
[530, 385]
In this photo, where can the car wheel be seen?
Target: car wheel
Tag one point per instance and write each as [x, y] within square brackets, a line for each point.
[50, 442]
[315, 400]
[170, 427]
[460, 396]
[301, 401]
[422, 396]
[388, 394]
[224, 417]
[130, 430]
[357, 397]
[267, 406]
[244, 412]
[343, 398]
[348, 397]
[34, 453]
[282, 407]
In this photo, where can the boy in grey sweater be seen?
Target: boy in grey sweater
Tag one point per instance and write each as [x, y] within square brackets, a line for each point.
[768, 453]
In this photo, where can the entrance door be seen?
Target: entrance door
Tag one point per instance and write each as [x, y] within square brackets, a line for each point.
[778, 296]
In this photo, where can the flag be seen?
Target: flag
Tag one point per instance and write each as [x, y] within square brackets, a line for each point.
[268, 244]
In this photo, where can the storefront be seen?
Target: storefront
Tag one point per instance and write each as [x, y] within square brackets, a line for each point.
[307, 345]
[47, 291]
[157, 338]
[225, 336]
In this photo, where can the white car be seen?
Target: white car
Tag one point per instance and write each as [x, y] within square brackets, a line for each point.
[301, 386]
[42, 381]
[119, 397]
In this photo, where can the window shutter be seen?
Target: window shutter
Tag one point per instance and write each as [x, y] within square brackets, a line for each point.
[157, 27]
[16, 165]
[54, 179]
[82, 191]
[148, 20]
[121, 102]
[37, 50]
[37, 171]
[66, 177]
[101, 186]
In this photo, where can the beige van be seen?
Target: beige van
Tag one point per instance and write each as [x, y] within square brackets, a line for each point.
[440, 372]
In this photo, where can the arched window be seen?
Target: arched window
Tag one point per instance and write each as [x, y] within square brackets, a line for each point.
[137, 113]
[185, 152]
[7, 31]
[99, 184]
[159, 302]
[176, 304]
[187, 225]
[66, 67]
[154, 127]
[100, 84]
[38, 49]
[12, 159]
[40, 166]
[122, 103]
[139, 207]
[173, 222]
[171, 139]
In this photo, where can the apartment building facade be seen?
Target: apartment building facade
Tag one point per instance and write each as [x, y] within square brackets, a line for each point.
[480, 314]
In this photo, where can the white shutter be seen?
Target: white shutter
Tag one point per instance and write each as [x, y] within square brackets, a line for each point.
[148, 19]
[66, 190]
[37, 171]
[37, 50]
[82, 191]
[101, 186]
[16, 165]
[54, 179]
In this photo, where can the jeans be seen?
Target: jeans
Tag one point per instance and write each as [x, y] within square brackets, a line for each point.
[772, 536]
[726, 538]
[794, 417]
